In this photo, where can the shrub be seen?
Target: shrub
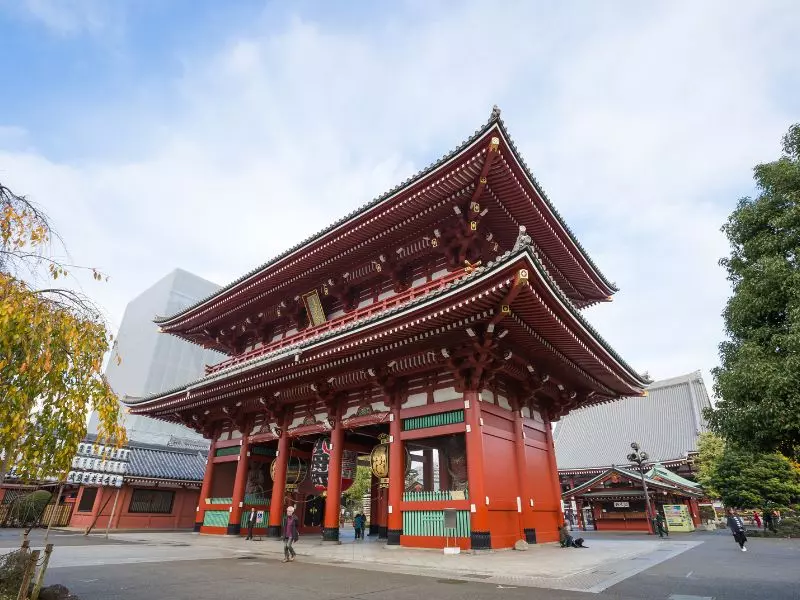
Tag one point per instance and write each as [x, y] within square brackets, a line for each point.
[28, 509]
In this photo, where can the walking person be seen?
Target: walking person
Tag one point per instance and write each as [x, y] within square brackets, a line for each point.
[358, 523]
[661, 525]
[290, 534]
[736, 525]
[757, 519]
[251, 522]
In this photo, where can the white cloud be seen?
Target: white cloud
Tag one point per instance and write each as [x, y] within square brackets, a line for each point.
[71, 17]
[643, 127]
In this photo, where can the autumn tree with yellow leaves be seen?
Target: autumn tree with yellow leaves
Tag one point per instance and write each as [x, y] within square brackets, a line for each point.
[52, 343]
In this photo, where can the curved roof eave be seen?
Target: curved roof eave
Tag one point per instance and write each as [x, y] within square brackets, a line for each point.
[494, 121]
[484, 271]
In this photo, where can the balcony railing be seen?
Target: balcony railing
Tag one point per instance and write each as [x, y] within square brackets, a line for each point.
[355, 315]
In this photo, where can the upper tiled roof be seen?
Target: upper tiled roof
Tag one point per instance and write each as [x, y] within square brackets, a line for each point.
[665, 423]
[658, 470]
[494, 120]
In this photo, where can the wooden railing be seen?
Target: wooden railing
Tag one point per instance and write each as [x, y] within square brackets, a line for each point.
[342, 320]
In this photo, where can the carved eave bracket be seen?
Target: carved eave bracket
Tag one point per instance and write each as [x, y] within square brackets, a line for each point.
[342, 290]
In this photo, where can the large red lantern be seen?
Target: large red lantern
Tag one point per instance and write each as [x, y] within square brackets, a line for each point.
[320, 460]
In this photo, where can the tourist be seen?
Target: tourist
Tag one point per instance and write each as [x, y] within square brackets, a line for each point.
[358, 523]
[567, 541]
[736, 525]
[661, 525]
[290, 534]
[757, 519]
[768, 522]
[251, 522]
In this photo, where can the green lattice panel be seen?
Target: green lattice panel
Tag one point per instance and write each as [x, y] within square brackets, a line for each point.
[216, 518]
[256, 499]
[262, 451]
[435, 496]
[431, 523]
[219, 500]
[229, 451]
[447, 418]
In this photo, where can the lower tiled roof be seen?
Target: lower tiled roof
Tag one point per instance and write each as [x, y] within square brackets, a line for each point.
[168, 464]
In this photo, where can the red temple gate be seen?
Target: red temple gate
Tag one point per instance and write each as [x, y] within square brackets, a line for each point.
[445, 315]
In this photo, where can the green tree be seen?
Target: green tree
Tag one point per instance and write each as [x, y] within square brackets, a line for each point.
[52, 344]
[754, 480]
[758, 380]
[354, 496]
[710, 449]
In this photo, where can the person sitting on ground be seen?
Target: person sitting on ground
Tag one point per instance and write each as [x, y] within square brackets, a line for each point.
[567, 541]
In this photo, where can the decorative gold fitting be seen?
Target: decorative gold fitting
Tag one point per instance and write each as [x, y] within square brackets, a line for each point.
[483, 180]
[476, 207]
[473, 225]
[495, 143]
[523, 274]
[505, 309]
[434, 242]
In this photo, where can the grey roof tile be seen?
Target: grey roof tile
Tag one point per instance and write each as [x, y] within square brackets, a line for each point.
[163, 463]
[666, 424]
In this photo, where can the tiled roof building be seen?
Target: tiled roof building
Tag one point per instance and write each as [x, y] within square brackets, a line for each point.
[666, 422]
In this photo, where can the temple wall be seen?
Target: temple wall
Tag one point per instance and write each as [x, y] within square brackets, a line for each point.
[181, 516]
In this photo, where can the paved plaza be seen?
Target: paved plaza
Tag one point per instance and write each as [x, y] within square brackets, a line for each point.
[183, 565]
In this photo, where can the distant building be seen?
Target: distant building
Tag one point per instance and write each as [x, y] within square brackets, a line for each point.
[667, 422]
[145, 362]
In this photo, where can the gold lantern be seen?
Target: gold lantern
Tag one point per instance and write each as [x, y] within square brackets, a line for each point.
[296, 471]
[379, 461]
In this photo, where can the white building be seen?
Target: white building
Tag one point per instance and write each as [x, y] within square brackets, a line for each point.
[144, 361]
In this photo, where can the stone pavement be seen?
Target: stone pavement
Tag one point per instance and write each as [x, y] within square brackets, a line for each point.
[604, 563]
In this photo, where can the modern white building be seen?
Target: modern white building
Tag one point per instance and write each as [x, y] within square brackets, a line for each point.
[144, 361]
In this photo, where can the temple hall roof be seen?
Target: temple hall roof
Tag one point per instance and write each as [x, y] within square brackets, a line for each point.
[666, 423]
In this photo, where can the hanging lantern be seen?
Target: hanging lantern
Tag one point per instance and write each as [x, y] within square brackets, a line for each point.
[296, 471]
[379, 461]
[320, 461]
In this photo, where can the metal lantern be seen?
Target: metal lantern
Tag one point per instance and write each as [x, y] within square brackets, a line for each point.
[296, 471]
[379, 461]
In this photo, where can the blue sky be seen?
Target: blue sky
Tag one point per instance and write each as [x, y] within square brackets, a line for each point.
[210, 136]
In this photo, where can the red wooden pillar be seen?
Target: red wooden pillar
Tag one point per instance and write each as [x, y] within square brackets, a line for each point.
[205, 488]
[278, 487]
[551, 460]
[479, 501]
[373, 506]
[427, 469]
[239, 485]
[333, 502]
[527, 524]
[397, 477]
[383, 510]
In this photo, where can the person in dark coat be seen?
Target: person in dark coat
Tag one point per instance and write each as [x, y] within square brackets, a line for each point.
[661, 525]
[358, 523]
[736, 525]
[290, 534]
[251, 522]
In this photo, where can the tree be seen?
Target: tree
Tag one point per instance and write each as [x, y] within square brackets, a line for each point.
[354, 496]
[758, 380]
[52, 344]
[710, 449]
[755, 480]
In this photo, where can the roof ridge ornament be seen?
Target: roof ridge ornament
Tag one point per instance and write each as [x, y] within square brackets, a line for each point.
[495, 116]
[523, 239]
